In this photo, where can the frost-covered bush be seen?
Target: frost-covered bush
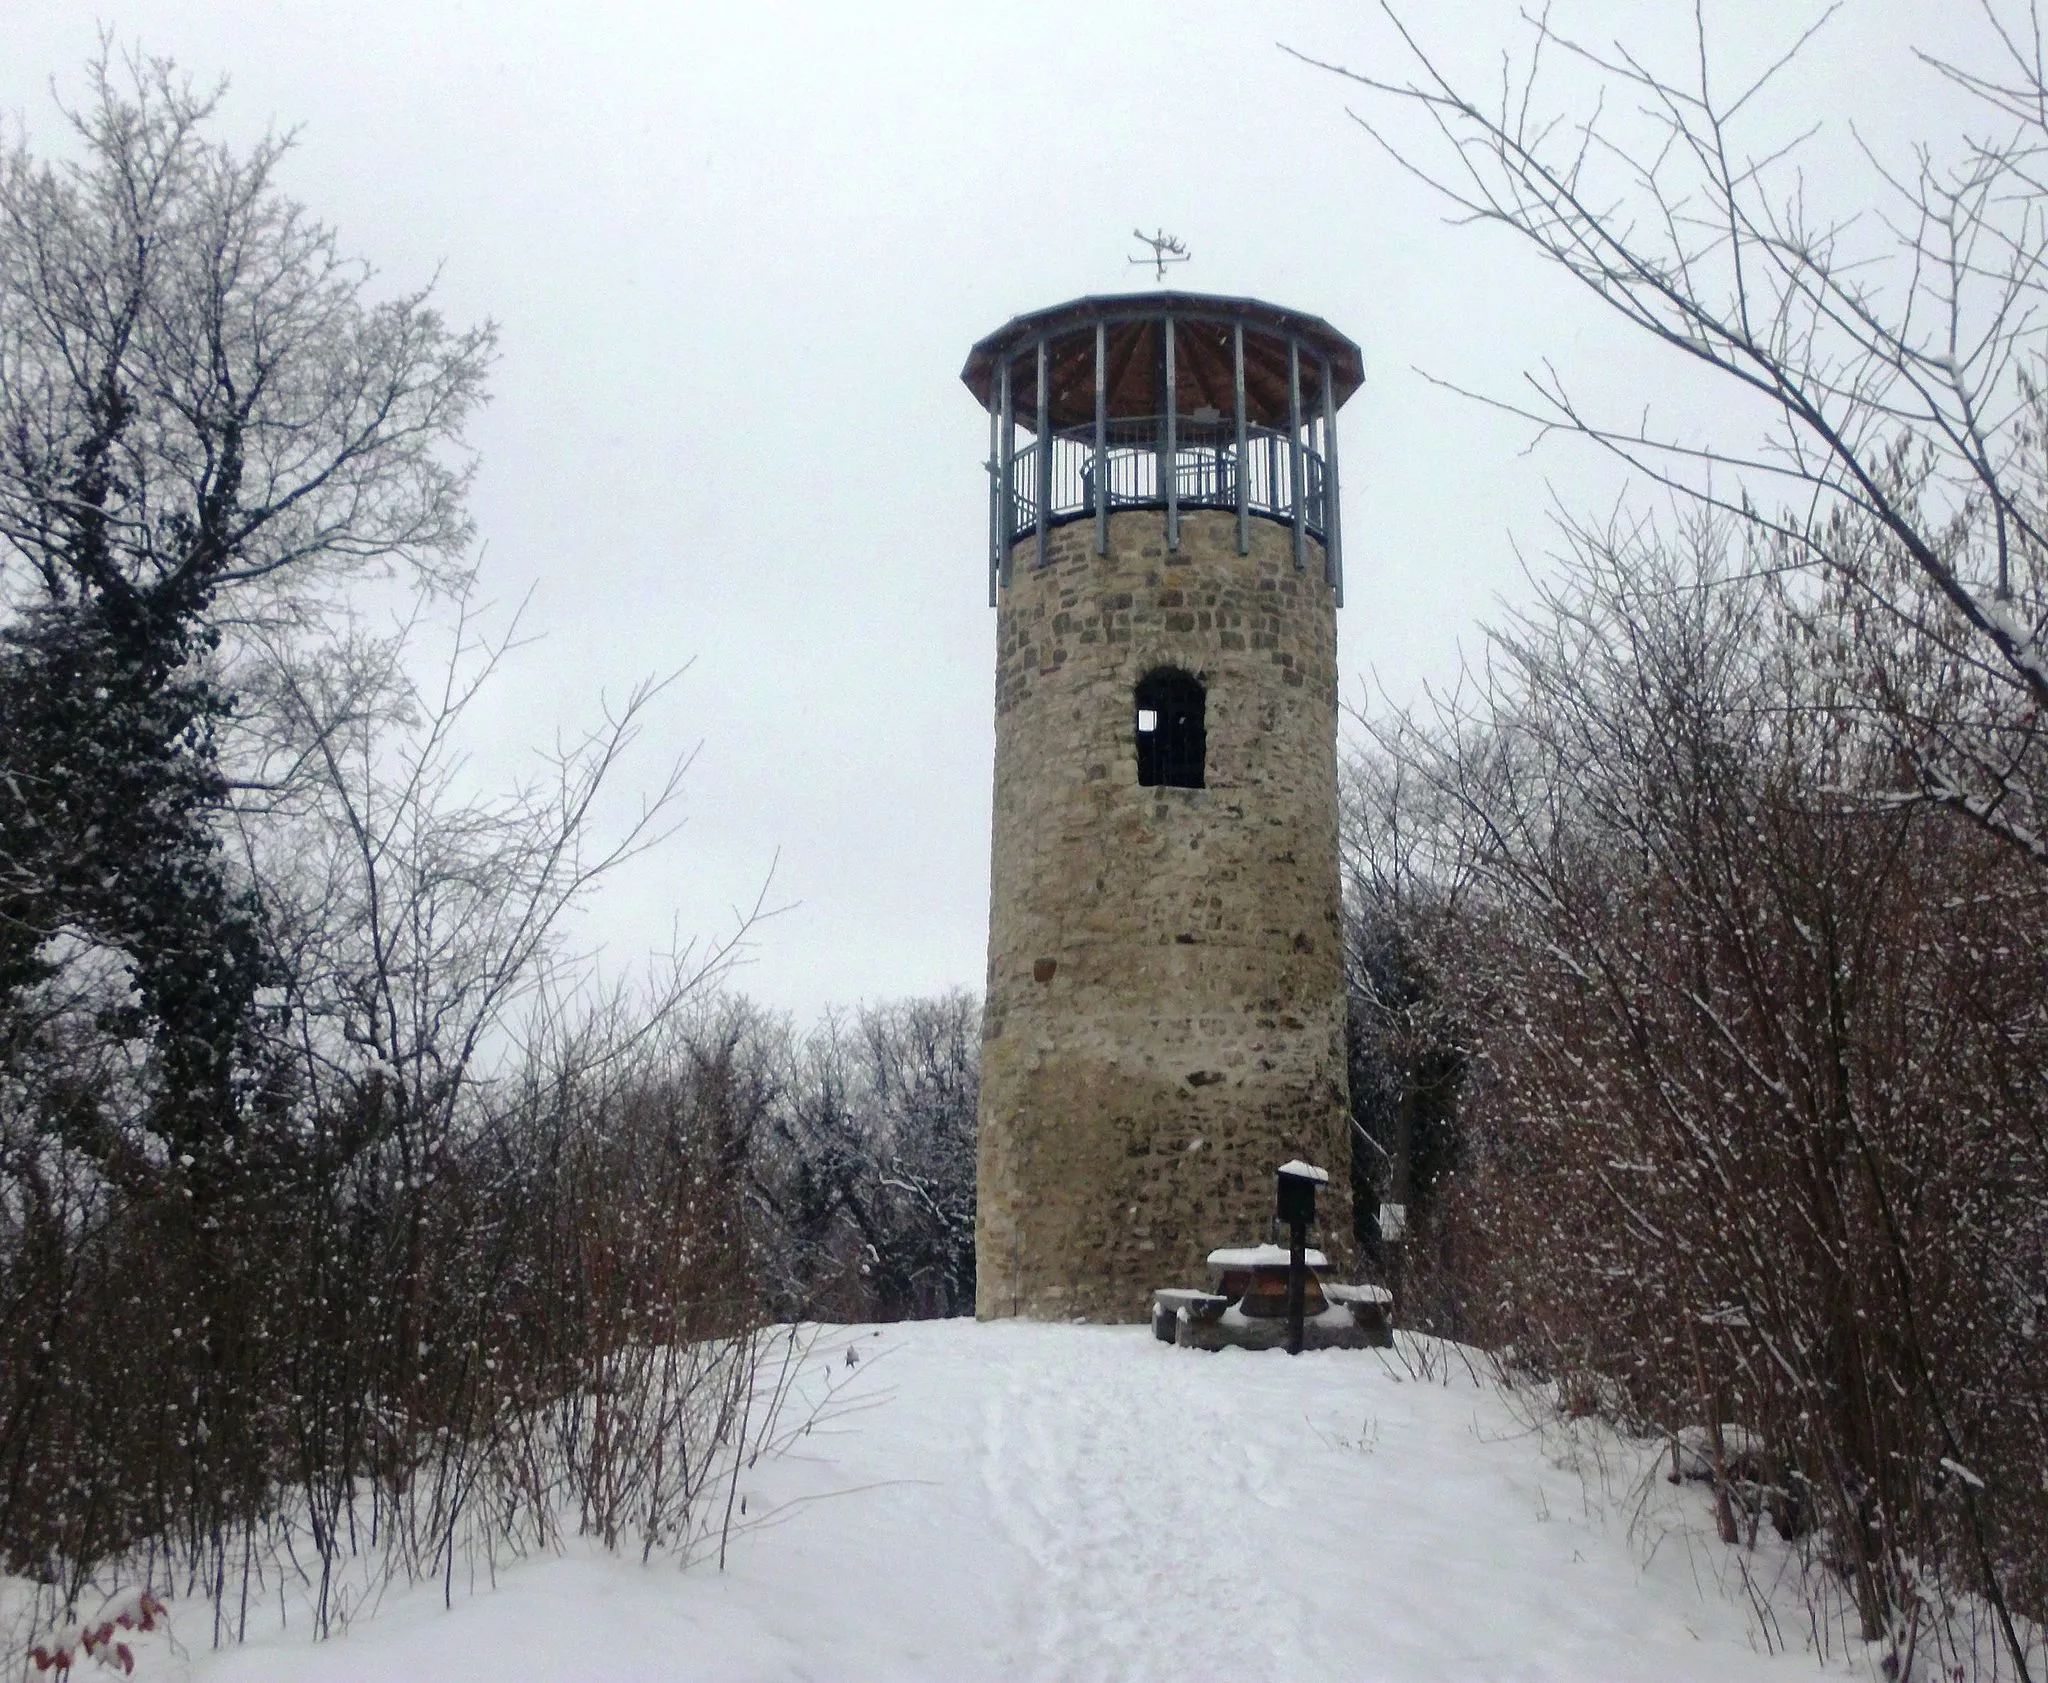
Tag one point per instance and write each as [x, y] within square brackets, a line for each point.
[1755, 1134]
[866, 1171]
[336, 1225]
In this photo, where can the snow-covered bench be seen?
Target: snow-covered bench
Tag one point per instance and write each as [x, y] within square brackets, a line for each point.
[1246, 1310]
[1169, 1301]
[1372, 1308]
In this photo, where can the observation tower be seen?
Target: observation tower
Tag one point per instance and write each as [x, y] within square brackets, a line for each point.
[1165, 1005]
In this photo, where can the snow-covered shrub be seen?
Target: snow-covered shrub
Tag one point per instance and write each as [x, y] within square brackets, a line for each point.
[1752, 1153]
[864, 1170]
[333, 1211]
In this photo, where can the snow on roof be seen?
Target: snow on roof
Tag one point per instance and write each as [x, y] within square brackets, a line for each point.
[1307, 1171]
[1262, 1256]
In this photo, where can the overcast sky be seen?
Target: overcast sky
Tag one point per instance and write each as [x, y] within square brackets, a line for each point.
[738, 254]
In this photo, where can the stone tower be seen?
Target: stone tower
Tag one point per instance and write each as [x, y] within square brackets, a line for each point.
[1165, 1007]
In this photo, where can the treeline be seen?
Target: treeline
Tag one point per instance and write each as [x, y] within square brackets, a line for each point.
[1721, 1052]
[348, 1226]
[861, 1158]
[1713, 900]
[422, 1346]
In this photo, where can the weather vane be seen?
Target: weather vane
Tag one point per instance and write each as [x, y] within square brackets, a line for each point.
[1165, 249]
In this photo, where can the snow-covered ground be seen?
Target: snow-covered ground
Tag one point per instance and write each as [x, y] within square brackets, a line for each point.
[1021, 1501]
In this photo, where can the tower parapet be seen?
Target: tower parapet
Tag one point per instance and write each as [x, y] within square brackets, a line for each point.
[1171, 401]
[1165, 1003]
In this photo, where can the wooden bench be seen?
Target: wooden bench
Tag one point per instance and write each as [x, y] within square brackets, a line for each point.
[1372, 1309]
[1169, 1301]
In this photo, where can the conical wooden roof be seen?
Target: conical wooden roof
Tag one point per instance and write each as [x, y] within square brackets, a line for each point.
[1134, 359]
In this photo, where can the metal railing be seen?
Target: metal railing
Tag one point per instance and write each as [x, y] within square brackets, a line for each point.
[1206, 470]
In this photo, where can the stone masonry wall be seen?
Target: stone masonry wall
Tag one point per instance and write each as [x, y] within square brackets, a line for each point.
[1165, 1007]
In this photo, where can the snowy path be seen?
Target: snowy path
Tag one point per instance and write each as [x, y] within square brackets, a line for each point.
[1082, 1503]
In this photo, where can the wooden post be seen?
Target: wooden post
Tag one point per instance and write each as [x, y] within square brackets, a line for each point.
[1394, 1246]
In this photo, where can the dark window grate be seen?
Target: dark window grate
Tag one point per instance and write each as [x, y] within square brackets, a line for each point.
[1172, 738]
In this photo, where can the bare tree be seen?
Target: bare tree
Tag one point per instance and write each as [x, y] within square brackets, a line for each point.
[1894, 343]
[1755, 1140]
[1404, 910]
[344, 1225]
[199, 395]
[208, 423]
[866, 1173]
[414, 920]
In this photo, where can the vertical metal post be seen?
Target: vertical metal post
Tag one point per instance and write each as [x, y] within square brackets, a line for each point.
[1007, 470]
[1297, 1200]
[1299, 466]
[1244, 528]
[1333, 515]
[1297, 1283]
[1044, 447]
[995, 494]
[1101, 438]
[1169, 459]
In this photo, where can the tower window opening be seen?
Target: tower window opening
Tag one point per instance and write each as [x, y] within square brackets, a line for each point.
[1172, 741]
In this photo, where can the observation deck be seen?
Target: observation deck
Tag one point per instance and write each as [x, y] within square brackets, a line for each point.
[1166, 400]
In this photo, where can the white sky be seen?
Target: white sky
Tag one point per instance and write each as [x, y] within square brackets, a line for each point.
[738, 255]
